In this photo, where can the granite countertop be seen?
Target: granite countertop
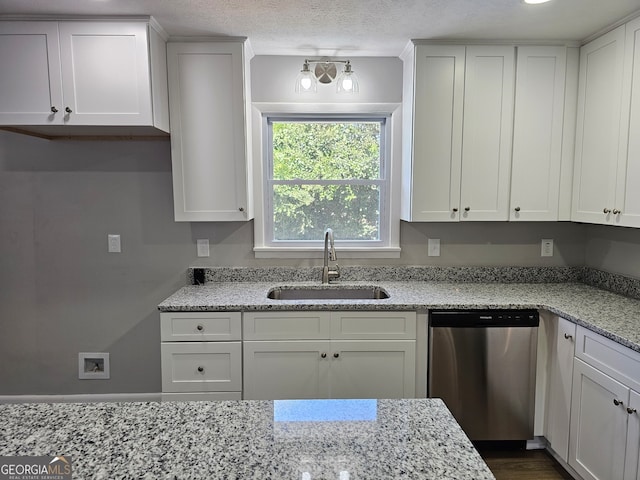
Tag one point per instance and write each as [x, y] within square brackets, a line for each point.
[374, 439]
[609, 314]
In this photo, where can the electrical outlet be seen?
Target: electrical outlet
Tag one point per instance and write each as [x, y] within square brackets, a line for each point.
[114, 243]
[203, 247]
[93, 365]
[433, 247]
[546, 247]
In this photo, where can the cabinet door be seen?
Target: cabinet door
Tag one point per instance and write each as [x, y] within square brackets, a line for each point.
[372, 369]
[201, 366]
[105, 73]
[632, 460]
[487, 132]
[30, 74]
[628, 184]
[598, 127]
[208, 131]
[537, 135]
[437, 135]
[598, 425]
[286, 370]
[560, 378]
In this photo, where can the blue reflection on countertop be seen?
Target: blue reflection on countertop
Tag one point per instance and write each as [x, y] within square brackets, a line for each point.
[351, 410]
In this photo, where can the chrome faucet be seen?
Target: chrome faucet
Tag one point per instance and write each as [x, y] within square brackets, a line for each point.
[329, 254]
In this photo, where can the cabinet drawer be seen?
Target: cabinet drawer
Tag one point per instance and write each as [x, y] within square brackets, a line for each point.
[373, 325]
[617, 361]
[199, 326]
[201, 367]
[286, 325]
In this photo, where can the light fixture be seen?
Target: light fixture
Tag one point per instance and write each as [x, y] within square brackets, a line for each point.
[535, 2]
[325, 72]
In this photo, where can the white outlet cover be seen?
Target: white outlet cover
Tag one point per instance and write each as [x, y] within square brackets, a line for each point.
[93, 365]
[114, 243]
[546, 247]
[203, 247]
[433, 247]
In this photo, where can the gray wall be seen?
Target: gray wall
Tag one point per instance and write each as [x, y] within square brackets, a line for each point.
[62, 293]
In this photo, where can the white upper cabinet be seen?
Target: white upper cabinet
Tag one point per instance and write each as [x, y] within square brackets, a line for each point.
[209, 97]
[628, 182]
[543, 135]
[487, 132]
[598, 129]
[82, 73]
[458, 121]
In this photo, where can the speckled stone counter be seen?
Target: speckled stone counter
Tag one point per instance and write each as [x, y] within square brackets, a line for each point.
[609, 314]
[378, 439]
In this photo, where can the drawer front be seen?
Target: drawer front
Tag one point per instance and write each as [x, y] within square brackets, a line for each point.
[201, 367]
[617, 361]
[200, 326]
[373, 325]
[286, 325]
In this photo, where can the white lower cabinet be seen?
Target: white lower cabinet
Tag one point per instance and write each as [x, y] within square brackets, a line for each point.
[558, 409]
[201, 355]
[604, 434]
[335, 355]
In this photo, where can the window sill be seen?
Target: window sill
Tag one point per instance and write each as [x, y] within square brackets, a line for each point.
[343, 252]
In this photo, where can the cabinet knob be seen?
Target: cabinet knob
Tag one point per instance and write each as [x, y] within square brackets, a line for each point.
[606, 210]
[241, 209]
[616, 211]
[517, 209]
[567, 336]
[630, 410]
[323, 355]
[455, 209]
[54, 109]
[201, 369]
[617, 402]
[200, 328]
[336, 355]
[68, 110]
[466, 209]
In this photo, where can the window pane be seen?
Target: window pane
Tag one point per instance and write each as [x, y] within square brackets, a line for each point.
[326, 150]
[303, 212]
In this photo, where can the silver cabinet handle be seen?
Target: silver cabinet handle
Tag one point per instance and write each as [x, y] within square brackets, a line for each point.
[54, 109]
[68, 110]
[631, 411]
[617, 402]
[200, 328]
[616, 211]
[517, 209]
[567, 336]
[606, 210]
[323, 355]
[201, 369]
[336, 355]
[466, 209]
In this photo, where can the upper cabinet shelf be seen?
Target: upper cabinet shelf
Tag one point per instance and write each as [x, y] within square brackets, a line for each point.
[79, 77]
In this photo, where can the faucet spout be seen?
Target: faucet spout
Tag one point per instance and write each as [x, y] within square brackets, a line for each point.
[329, 274]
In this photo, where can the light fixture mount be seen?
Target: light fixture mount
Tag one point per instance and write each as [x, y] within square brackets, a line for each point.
[326, 72]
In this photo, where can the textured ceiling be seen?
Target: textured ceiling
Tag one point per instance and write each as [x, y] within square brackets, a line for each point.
[354, 27]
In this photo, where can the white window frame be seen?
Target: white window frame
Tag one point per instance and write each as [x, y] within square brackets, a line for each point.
[388, 245]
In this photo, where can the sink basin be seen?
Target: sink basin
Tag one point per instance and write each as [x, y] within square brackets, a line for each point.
[328, 293]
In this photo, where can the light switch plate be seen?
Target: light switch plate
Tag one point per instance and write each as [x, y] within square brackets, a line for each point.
[114, 243]
[546, 247]
[203, 247]
[433, 247]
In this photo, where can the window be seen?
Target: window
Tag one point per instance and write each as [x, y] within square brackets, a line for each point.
[326, 171]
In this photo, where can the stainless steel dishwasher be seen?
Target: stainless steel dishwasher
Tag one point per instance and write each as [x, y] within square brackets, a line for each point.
[482, 363]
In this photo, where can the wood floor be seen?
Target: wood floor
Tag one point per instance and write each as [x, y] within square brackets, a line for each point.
[523, 465]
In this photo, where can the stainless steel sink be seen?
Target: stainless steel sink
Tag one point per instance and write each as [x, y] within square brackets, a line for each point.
[328, 293]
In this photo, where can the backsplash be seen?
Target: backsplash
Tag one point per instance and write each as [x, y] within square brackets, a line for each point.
[620, 284]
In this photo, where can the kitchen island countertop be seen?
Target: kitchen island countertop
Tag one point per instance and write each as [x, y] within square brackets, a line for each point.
[609, 314]
[381, 439]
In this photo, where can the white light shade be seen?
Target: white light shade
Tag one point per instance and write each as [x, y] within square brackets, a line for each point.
[306, 81]
[535, 2]
[347, 82]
